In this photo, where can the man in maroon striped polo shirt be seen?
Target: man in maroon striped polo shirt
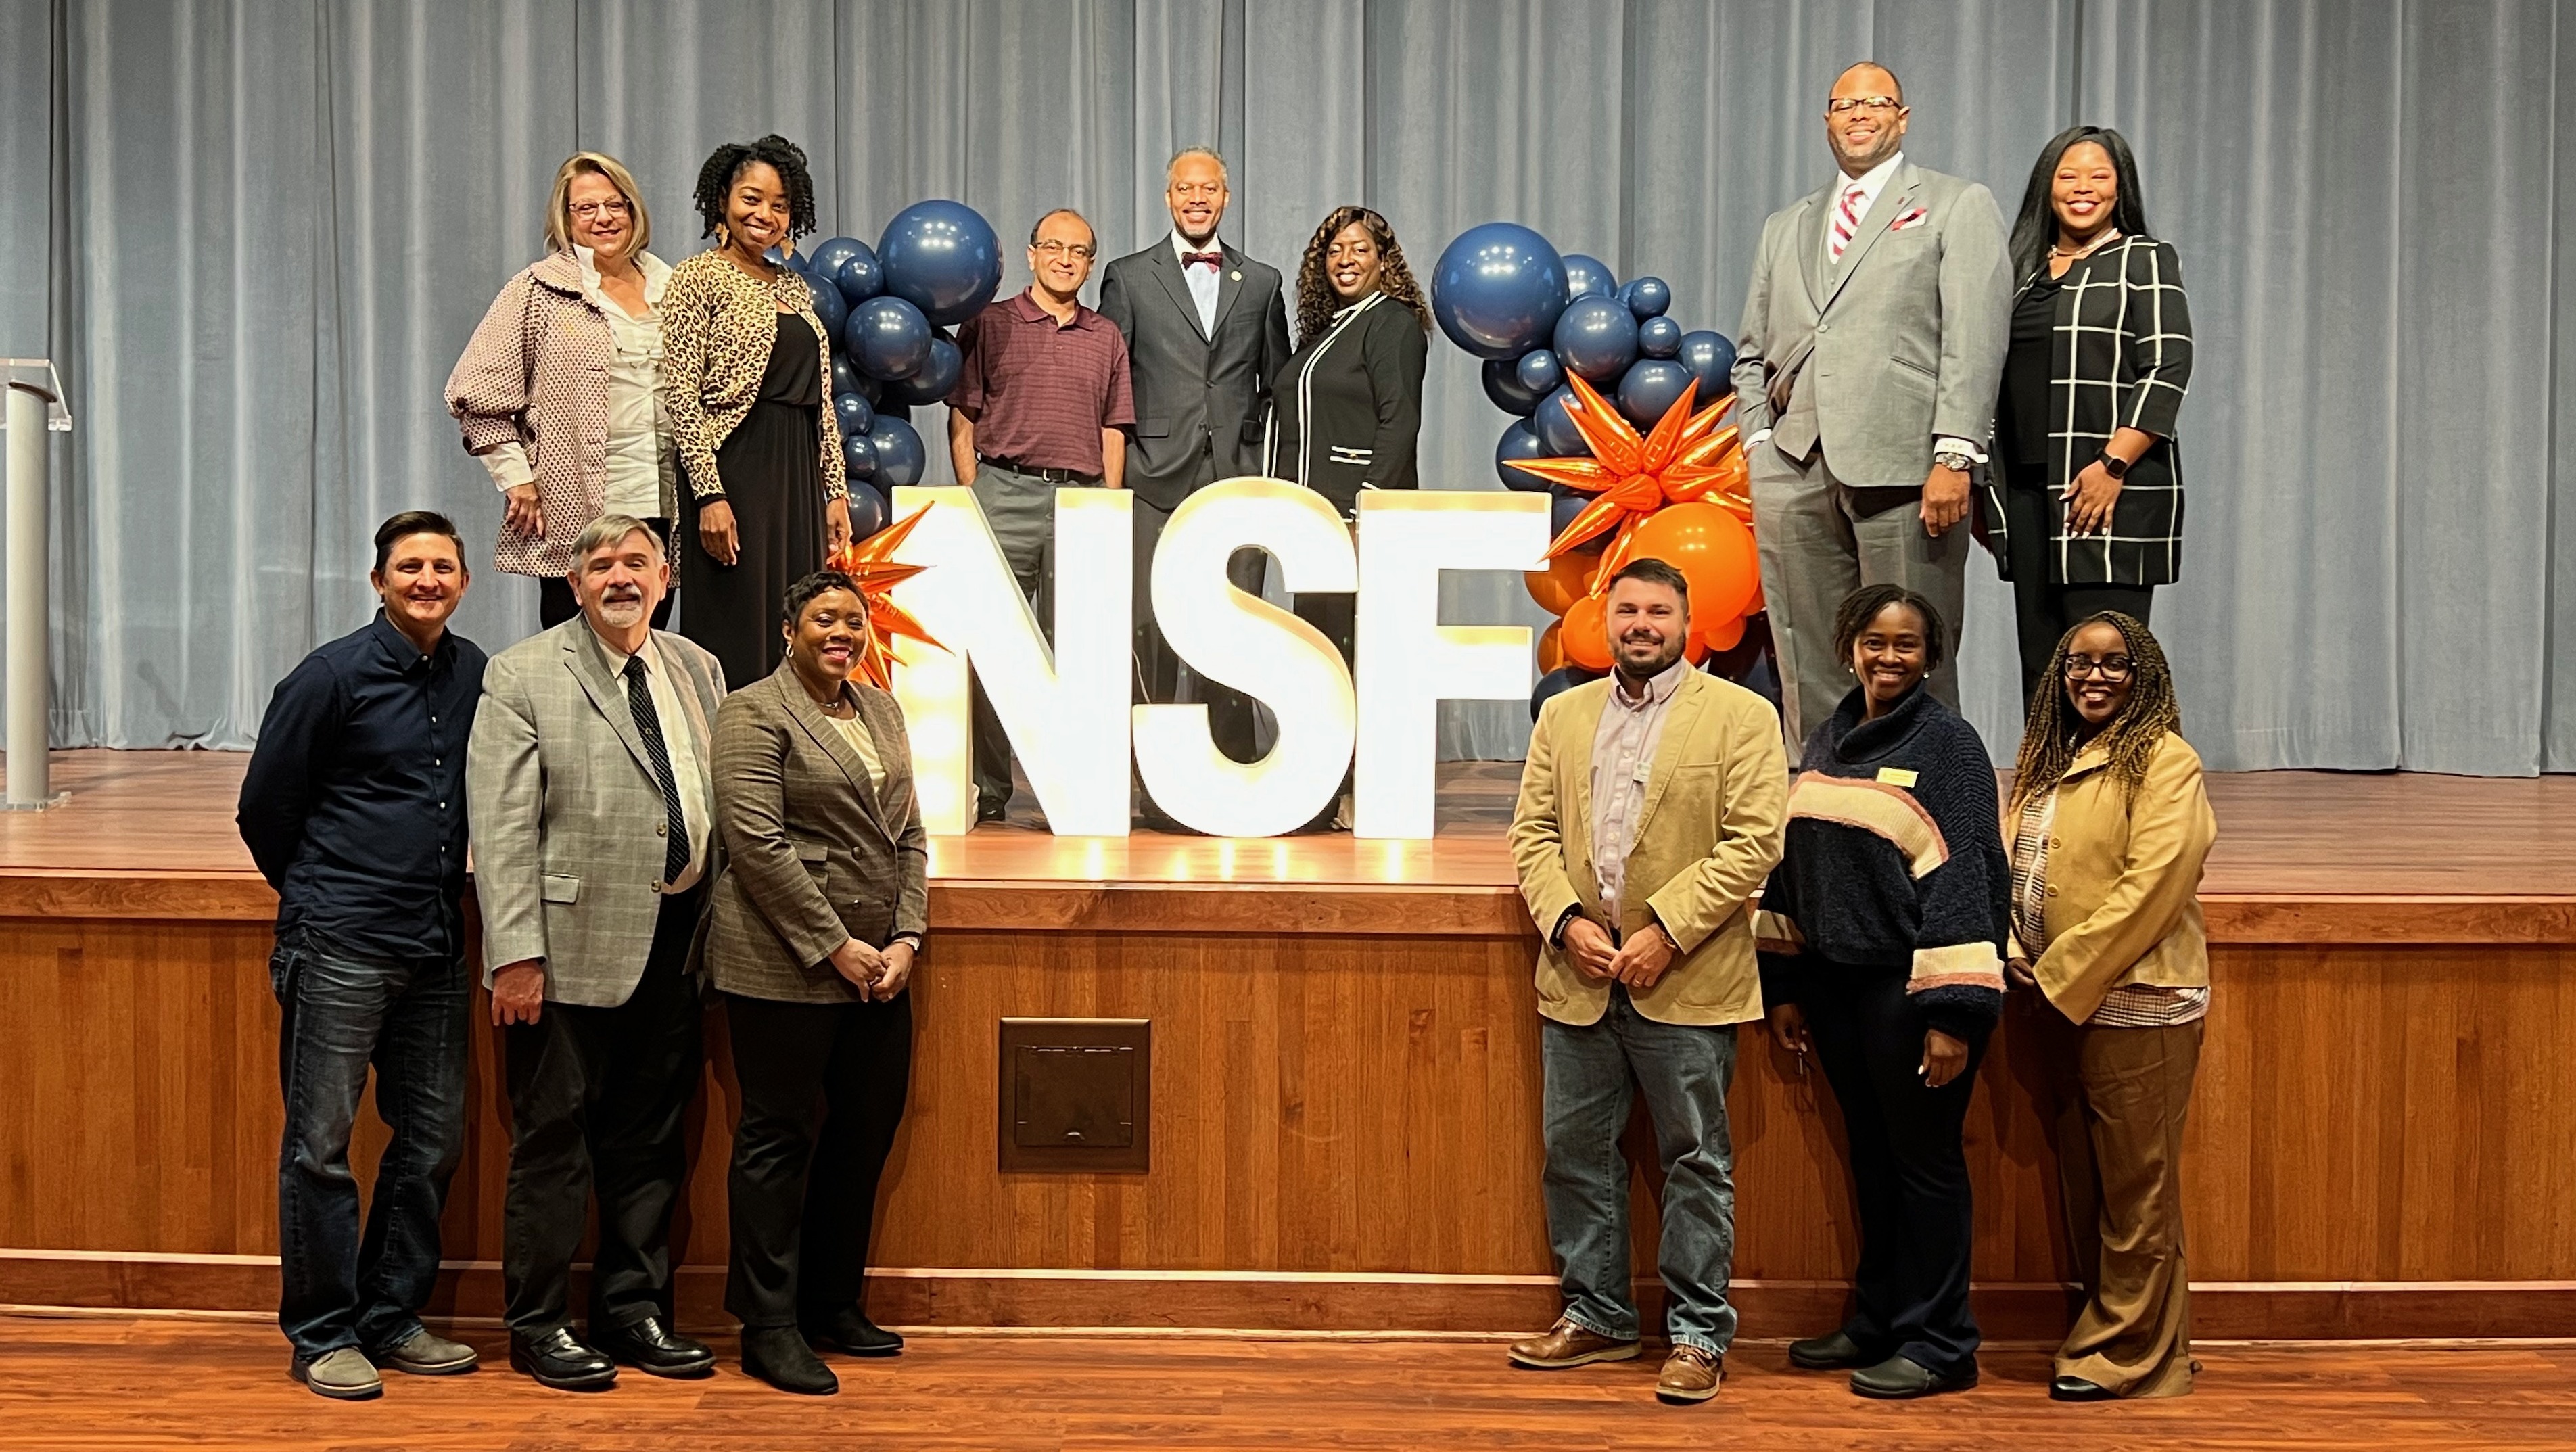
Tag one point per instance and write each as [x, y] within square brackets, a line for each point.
[1041, 401]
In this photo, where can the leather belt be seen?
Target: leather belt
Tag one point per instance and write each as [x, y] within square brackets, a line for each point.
[1047, 476]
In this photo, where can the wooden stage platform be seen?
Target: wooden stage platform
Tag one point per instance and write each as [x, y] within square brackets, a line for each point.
[1345, 1094]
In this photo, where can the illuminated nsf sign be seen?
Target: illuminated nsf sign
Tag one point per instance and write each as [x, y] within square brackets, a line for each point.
[1067, 708]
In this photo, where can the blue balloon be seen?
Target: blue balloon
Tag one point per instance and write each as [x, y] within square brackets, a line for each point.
[859, 276]
[1556, 683]
[1561, 512]
[1660, 338]
[824, 259]
[1497, 289]
[829, 309]
[1649, 388]
[846, 379]
[858, 455]
[894, 408]
[867, 510]
[899, 455]
[1596, 337]
[1708, 356]
[1647, 297]
[888, 338]
[1503, 386]
[936, 377]
[1519, 441]
[1540, 373]
[853, 411]
[1555, 426]
[1588, 277]
[942, 258]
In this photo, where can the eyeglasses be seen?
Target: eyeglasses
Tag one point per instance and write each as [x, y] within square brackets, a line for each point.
[1074, 250]
[1845, 105]
[2112, 668]
[587, 210]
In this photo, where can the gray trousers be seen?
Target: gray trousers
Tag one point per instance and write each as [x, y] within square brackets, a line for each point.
[1161, 678]
[1821, 539]
[1020, 509]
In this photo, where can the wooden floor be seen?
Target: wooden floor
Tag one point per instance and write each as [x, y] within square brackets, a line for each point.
[2397, 834]
[86, 1384]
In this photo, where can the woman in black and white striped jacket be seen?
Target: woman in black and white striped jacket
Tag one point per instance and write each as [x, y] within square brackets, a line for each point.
[2083, 507]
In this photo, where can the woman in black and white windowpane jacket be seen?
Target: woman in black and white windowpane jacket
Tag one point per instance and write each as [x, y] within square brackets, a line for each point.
[2083, 507]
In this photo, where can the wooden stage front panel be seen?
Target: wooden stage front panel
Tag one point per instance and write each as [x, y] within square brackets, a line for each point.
[1345, 1107]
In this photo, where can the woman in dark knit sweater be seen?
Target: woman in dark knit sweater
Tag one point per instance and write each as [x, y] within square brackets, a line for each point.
[1881, 934]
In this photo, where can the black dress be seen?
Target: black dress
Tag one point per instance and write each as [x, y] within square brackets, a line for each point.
[772, 469]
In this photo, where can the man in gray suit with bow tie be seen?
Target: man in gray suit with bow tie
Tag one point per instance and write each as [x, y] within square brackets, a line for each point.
[592, 810]
[1207, 330]
[1874, 336]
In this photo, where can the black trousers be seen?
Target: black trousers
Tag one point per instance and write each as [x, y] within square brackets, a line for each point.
[2043, 612]
[822, 1095]
[1159, 672]
[596, 1101]
[1909, 1172]
[557, 604]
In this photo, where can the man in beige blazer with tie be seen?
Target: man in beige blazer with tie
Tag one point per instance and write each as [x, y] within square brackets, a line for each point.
[1873, 343]
[592, 818]
[1651, 808]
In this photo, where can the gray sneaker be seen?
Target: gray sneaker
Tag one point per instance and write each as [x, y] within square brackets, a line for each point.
[426, 1354]
[345, 1374]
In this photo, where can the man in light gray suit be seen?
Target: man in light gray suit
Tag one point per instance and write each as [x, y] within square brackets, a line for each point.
[1874, 336]
[589, 793]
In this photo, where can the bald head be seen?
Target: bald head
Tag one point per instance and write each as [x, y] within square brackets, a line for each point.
[1865, 117]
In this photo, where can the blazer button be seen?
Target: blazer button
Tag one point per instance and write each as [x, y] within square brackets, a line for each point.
[2054, 843]
[2052, 891]
[661, 829]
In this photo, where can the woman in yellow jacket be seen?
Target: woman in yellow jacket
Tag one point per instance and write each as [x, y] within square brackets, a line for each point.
[2107, 829]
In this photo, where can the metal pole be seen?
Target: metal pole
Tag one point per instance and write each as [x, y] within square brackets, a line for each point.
[30, 677]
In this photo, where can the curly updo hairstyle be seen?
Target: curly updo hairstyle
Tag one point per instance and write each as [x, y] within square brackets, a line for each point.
[725, 164]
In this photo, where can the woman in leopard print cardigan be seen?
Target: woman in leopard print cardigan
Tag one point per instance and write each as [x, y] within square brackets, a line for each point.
[746, 383]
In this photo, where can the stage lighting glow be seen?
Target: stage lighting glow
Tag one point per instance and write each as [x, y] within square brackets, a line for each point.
[1243, 641]
[1065, 708]
[1408, 661]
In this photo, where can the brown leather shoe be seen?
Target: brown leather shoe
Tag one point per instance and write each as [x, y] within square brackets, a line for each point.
[1690, 1375]
[1565, 1346]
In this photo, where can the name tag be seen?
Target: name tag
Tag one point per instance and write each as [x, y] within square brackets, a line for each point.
[1896, 776]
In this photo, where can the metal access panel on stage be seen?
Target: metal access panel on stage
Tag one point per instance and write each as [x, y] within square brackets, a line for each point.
[1076, 1095]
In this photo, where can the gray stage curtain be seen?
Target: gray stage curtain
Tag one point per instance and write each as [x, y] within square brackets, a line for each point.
[258, 233]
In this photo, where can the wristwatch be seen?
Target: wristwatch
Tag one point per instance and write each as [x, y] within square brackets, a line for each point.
[2114, 465]
[1952, 459]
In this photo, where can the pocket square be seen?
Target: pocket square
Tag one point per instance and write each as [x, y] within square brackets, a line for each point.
[1915, 218]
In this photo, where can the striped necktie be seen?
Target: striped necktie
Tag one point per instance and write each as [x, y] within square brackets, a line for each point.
[648, 725]
[1846, 222]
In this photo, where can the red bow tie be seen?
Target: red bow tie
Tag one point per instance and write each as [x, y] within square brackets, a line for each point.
[1210, 260]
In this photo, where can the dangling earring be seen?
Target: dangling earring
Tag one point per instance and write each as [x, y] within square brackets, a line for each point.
[724, 236]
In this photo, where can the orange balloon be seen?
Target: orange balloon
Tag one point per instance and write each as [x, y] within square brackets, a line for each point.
[1584, 635]
[1725, 635]
[1712, 549]
[1694, 649]
[1551, 651]
[1566, 579]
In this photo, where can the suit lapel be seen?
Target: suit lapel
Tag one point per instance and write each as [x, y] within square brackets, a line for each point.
[1229, 281]
[1584, 725]
[1810, 238]
[819, 728]
[1680, 718]
[584, 657]
[1176, 281]
[894, 754]
[1893, 202]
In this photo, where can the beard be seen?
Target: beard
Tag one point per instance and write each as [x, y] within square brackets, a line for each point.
[622, 612]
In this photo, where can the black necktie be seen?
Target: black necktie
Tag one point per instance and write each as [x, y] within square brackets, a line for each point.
[648, 724]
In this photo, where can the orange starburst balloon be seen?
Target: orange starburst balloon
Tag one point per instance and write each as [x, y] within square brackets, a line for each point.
[871, 563]
[1685, 459]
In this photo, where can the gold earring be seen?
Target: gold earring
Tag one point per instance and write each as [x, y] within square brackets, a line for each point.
[724, 235]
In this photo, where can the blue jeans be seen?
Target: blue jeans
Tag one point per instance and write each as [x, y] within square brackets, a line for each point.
[1593, 1072]
[343, 1014]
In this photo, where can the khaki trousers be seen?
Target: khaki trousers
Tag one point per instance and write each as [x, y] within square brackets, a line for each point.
[2119, 1097]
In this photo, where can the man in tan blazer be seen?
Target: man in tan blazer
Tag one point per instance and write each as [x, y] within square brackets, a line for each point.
[592, 817]
[1651, 808]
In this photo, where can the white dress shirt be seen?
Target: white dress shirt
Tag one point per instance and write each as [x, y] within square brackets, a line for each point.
[688, 754]
[1202, 280]
[1623, 759]
[637, 427]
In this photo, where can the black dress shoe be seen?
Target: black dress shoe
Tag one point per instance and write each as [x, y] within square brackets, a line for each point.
[655, 1349]
[558, 1359]
[852, 1334]
[780, 1357]
[989, 810]
[1833, 1351]
[1899, 1378]
[2077, 1389]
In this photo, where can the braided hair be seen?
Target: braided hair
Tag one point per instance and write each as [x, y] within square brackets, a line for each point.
[1316, 300]
[716, 179]
[2050, 741]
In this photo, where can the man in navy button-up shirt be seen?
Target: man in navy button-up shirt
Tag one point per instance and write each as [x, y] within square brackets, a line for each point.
[354, 809]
